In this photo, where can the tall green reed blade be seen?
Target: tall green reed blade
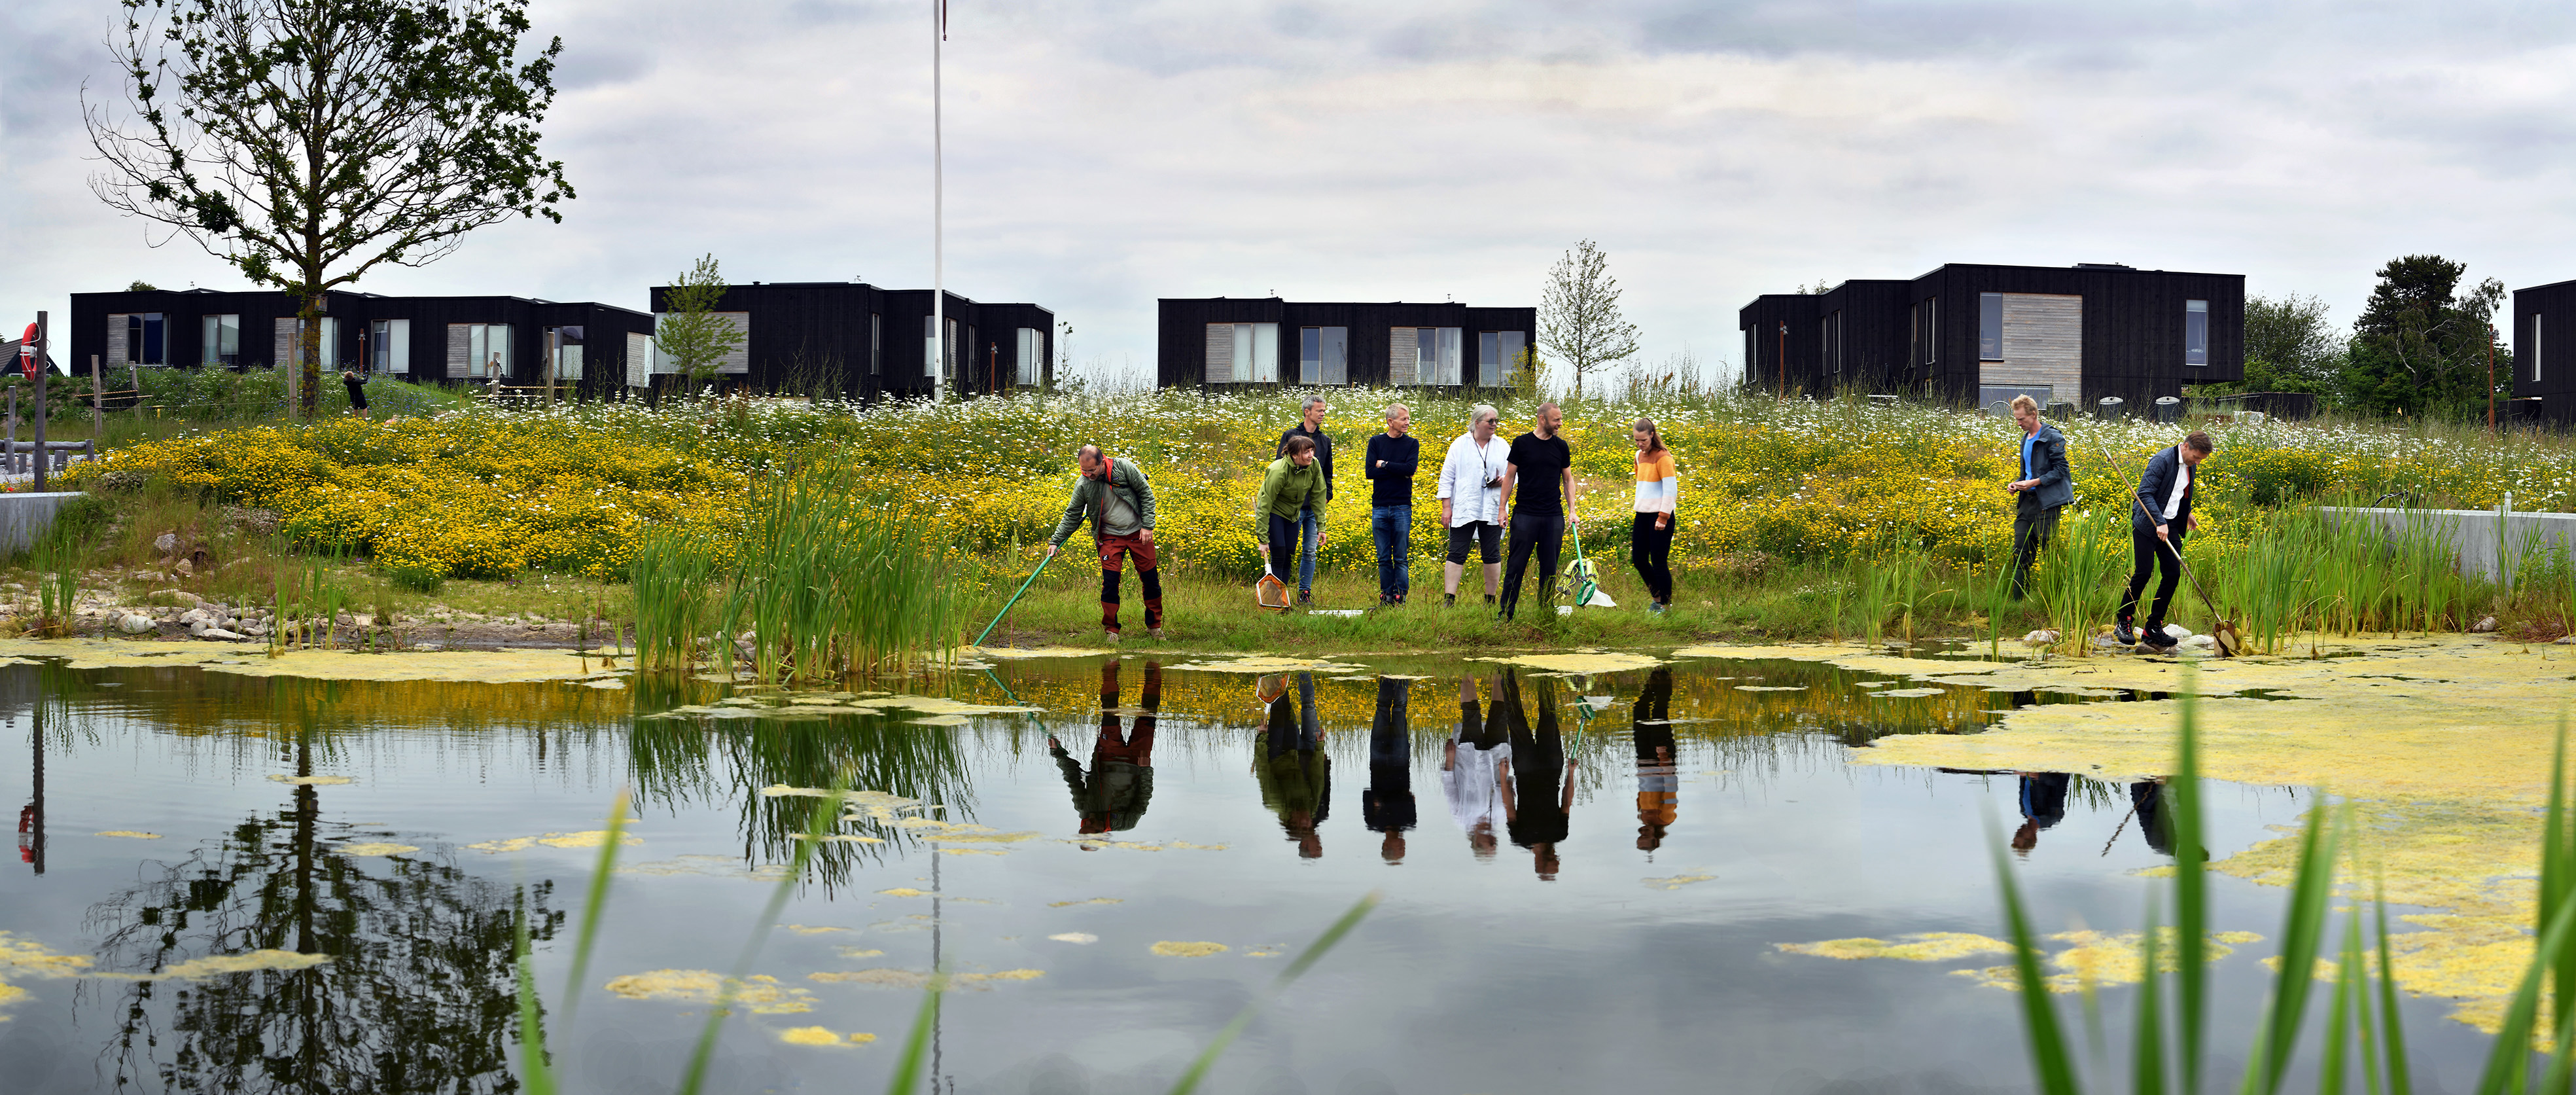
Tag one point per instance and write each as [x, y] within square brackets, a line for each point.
[2350, 1009]
[1305, 961]
[2050, 1059]
[2191, 888]
[2276, 1037]
[827, 810]
[2558, 874]
[2508, 1062]
[594, 903]
[2147, 1053]
[916, 1047]
[533, 1062]
[2392, 1029]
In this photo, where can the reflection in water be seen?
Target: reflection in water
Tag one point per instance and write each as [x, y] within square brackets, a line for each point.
[417, 997]
[2148, 797]
[1470, 766]
[1387, 805]
[1659, 783]
[2043, 805]
[1113, 797]
[1535, 808]
[1295, 773]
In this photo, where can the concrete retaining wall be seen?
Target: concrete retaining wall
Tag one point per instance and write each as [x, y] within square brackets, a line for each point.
[2473, 532]
[24, 517]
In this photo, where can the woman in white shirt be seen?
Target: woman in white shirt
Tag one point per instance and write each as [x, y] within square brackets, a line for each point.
[1471, 500]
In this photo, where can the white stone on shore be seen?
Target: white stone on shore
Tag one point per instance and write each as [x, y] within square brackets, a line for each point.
[217, 633]
[136, 623]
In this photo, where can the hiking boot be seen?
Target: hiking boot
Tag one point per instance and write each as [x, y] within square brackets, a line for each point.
[1305, 596]
[1386, 600]
[1448, 600]
[1655, 609]
[2154, 638]
[1489, 600]
[1110, 637]
[1154, 633]
[2127, 635]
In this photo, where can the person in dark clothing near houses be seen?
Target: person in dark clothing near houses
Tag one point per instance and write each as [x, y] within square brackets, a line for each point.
[2044, 489]
[1310, 522]
[1659, 784]
[1289, 762]
[1115, 497]
[2159, 515]
[1387, 806]
[1113, 797]
[2043, 805]
[357, 386]
[1543, 464]
[1391, 460]
[1537, 778]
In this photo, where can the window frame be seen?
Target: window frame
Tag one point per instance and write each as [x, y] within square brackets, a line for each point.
[219, 339]
[2538, 345]
[1990, 311]
[2195, 336]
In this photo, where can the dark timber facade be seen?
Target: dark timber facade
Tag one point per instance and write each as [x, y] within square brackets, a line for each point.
[2544, 372]
[586, 348]
[857, 341]
[1225, 342]
[1983, 334]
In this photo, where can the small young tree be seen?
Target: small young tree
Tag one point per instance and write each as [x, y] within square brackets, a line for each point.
[306, 141]
[1578, 314]
[689, 331]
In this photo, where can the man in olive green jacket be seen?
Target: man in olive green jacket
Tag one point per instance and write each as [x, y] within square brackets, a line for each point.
[1293, 485]
[1115, 497]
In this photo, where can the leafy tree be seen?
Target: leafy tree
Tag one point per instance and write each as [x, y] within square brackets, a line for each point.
[689, 331]
[1578, 314]
[307, 141]
[2289, 347]
[142, 286]
[2422, 342]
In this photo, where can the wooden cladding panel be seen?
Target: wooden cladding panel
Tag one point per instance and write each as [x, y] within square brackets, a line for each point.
[1220, 354]
[460, 353]
[117, 350]
[2043, 344]
[1403, 356]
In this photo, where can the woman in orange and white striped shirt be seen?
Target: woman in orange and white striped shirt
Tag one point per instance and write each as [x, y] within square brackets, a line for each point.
[1650, 542]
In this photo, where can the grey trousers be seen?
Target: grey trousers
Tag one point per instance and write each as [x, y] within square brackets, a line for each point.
[2033, 528]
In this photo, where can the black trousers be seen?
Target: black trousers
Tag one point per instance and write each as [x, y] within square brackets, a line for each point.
[1650, 550]
[2153, 557]
[1284, 542]
[1546, 533]
[2033, 527]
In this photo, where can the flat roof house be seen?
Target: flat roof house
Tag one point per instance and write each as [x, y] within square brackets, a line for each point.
[1987, 333]
[857, 341]
[1217, 342]
[584, 347]
[2543, 314]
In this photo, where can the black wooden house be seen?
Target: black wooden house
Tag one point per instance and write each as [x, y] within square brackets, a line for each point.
[1983, 334]
[586, 348]
[1222, 342]
[857, 341]
[2544, 314]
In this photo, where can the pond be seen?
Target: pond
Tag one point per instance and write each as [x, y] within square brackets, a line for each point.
[1588, 875]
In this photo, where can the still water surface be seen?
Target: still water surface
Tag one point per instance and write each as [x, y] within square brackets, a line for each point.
[1585, 881]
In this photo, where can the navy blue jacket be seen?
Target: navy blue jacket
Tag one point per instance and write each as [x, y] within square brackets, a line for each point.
[2154, 486]
[2048, 465]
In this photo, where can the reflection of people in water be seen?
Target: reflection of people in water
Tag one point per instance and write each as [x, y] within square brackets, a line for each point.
[1469, 770]
[1121, 781]
[2043, 805]
[1387, 805]
[1659, 782]
[2153, 823]
[1535, 808]
[1289, 760]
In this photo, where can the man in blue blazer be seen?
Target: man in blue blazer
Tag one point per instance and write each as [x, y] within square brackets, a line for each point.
[2159, 515]
[2045, 489]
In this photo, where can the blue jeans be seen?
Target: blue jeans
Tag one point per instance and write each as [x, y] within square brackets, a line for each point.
[1392, 528]
[1310, 538]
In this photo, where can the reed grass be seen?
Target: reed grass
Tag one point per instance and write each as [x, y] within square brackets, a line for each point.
[2078, 577]
[2168, 1050]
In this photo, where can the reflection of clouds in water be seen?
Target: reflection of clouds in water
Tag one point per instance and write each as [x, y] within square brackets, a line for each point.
[715, 866]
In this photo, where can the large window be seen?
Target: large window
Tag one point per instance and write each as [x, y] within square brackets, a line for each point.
[138, 338]
[1497, 354]
[2535, 347]
[1032, 353]
[219, 340]
[2195, 332]
[1990, 326]
[1440, 350]
[478, 351]
[289, 347]
[389, 346]
[876, 325]
[1324, 355]
[563, 352]
[1243, 353]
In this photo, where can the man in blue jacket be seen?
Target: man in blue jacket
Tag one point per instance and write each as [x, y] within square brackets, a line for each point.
[2159, 515]
[2044, 487]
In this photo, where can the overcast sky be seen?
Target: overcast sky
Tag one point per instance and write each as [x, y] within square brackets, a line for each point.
[1103, 155]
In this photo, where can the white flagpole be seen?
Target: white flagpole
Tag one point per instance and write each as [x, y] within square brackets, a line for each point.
[938, 212]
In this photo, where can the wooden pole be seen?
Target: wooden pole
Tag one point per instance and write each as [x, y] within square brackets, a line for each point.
[42, 367]
[1784, 359]
[97, 401]
[2491, 391]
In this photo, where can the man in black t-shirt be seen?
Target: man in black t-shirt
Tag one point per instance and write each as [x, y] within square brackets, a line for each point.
[1543, 464]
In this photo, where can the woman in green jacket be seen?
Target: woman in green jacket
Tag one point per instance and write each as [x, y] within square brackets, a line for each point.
[1292, 485]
